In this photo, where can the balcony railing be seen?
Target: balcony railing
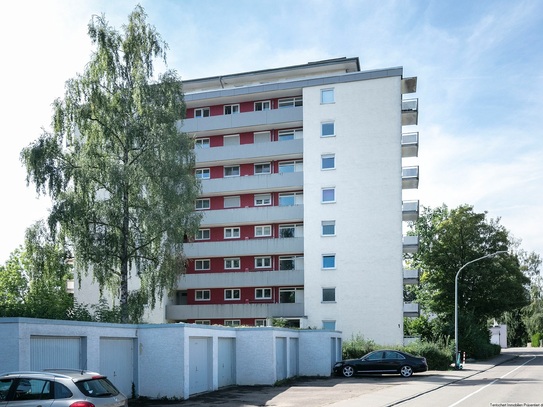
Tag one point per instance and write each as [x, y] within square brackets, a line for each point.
[252, 278]
[410, 244]
[411, 310]
[410, 144]
[244, 247]
[229, 311]
[410, 210]
[410, 177]
[410, 112]
[411, 276]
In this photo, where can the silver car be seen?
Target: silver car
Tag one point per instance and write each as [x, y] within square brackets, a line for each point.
[59, 388]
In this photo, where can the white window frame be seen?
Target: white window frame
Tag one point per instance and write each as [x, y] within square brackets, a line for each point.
[201, 234]
[327, 158]
[297, 166]
[203, 112]
[232, 322]
[295, 195]
[262, 200]
[288, 290]
[232, 263]
[232, 167]
[326, 223]
[262, 168]
[232, 201]
[323, 193]
[202, 322]
[200, 204]
[234, 109]
[263, 231]
[205, 264]
[232, 233]
[262, 105]
[326, 123]
[326, 256]
[233, 292]
[202, 295]
[261, 322]
[328, 96]
[284, 135]
[263, 293]
[290, 102]
[263, 262]
[202, 143]
[203, 173]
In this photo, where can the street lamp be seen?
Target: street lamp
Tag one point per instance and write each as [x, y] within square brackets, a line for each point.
[456, 361]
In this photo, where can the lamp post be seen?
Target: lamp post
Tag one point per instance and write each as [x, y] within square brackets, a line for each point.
[456, 362]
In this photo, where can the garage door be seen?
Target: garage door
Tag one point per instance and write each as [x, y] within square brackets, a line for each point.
[200, 370]
[55, 352]
[280, 358]
[227, 362]
[117, 362]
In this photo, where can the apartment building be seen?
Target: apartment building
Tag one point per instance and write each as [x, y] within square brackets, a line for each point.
[303, 180]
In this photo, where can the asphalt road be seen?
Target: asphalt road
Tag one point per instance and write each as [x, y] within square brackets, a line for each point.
[438, 388]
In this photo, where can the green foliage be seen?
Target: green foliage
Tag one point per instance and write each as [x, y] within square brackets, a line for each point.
[357, 347]
[13, 285]
[536, 340]
[439, 355]
[119, 172]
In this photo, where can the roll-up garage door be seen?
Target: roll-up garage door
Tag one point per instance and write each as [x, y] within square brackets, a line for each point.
[55, 352]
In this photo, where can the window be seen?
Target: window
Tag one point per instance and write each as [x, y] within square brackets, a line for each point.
[231, 109]
[202, 295]
[328, 227]
[262, 137]
[203, 264]
[327, 96]
[261, 231]
[286, 263]
[264, 168]
[232, 201]
[286, 230]
[201, 143]
[266, 105]
[232, 264]
[202, 204]
[232, 294]
[327, 129]
[232, 322]
[331, 325]
[328, 295]
[288, 295]
[231, 233]
[328, 195]
[202, 322]
[232, 140]
[263, 293]
[263, 262]
[329, 261]
[263, 199]
[260, 322]
[30, 390]
[290, 102]
[284, 135]
[291, 198]
[328, 161]
[203, 234]
[202, 173]
[201, 112]
[232, 171]
[290, 166]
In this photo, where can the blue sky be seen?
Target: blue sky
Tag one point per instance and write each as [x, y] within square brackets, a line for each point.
[478, 64]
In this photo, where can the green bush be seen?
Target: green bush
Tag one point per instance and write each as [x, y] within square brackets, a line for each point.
[536, 338]
[357, 347]
[438, 356]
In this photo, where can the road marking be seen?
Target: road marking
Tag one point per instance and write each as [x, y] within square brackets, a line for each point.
[491, 383]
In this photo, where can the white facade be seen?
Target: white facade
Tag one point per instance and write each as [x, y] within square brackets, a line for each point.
[346, 146]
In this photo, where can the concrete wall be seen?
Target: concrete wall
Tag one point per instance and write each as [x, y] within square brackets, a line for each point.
[161, 362]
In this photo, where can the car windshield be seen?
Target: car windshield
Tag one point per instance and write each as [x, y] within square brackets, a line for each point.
[100, 387]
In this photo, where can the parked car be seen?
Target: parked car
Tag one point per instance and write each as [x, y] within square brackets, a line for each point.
[61, 388]
[382, 361]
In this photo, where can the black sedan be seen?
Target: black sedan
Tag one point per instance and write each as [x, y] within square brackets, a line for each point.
[382, 361]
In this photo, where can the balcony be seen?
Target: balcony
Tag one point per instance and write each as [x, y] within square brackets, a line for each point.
[410, 145]
[410, 210]
[230, 311]
[409, 85]
[249, 121]
[283, 278]
[411, 276]
[411, 310]
[258, 152]
[245, 247]
[410, 112]
[410, 177]
[252, 215]
[410, 244]
[288, 181]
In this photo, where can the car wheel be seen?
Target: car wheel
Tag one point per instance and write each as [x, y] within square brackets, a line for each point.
[406, 371]
[347, 371]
